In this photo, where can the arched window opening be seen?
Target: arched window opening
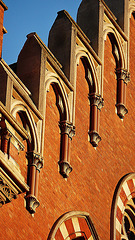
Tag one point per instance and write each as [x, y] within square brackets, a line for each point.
[67, 130]
[89, 75]
[59, 102]
[133, 14]
[25, 122]
[95, 102]
[31, 152]
[35, 163]
[74, 226]
[20, 145]
[128, 227]
[122, 75]
[123, 209]
[115, 50]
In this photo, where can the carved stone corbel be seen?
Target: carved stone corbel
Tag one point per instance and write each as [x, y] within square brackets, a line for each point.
[35, 163]
[31, 203]
[123, 77]
[10, 185]
[7, 192]
[67, 132]
[94, 138]
[96, 103]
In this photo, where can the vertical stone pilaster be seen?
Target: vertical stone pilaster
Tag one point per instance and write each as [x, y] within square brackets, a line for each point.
[35, 163]
[123, 77]
[96, 103]
[67, 132]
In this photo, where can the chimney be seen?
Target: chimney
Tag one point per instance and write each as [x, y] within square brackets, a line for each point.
[3, 8]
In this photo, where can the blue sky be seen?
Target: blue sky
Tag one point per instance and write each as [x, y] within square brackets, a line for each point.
[25, 16]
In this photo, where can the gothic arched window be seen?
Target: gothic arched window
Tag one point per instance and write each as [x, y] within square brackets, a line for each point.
[74, 226]
[123, 209]
[128, 226]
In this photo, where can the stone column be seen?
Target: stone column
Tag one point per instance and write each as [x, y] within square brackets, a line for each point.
[39, 166]
[67, 132]
[123, 77]
[35, 162]
[96, 103]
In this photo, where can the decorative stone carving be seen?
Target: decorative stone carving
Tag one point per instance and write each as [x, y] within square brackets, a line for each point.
[128, 228]
[67, 132]
[123, 74]
[34, 159]
[65, 168]
[11, 181]
[31, 203]
[123, 77]
[35, 163]
[96, 103]
[67, 128]
[121, 110]
[8, 188]
[96, 100]
[94, 138]
[6, 192]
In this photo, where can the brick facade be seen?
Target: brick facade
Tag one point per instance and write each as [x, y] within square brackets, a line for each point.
[2, 30]
[47, 156]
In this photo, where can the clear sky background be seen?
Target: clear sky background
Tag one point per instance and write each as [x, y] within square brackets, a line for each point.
[26, 16]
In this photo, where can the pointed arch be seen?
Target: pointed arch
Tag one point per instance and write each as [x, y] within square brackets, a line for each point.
[90, 69]
[94, 95]
[65, 123]
[20, 108]
[124, 196]
[131, 8]
[117, 47]
[35, 160]
[73, 225]
[122, 74]
[61, 96]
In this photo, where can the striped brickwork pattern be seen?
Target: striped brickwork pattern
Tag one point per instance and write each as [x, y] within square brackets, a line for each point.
[72, 228]
[126, 192]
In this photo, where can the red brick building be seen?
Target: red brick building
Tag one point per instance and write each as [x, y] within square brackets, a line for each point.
[67, 128]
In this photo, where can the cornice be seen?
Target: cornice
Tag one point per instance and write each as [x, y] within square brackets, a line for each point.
[4, 30]
[13, 121]
[3, 5]
[108, 9]
[7, 68]
[21, 88]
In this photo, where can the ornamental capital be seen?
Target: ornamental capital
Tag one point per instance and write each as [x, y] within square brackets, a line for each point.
[35, 159]
[96, 100]
[31, 203]
[65, 168]
[123, 74]
[94, 138]
[121, 110]
[67, 128]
